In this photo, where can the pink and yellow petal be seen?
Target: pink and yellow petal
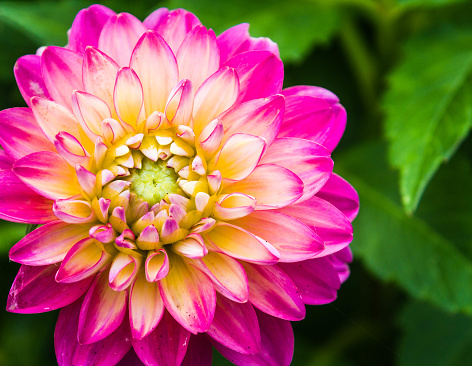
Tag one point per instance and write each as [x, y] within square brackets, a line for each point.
[102, 311]
[47, 244]
[62, 72]
[156, 67]
[119, 36]
[146, 307]
[294, 240]
[47, 174]
[189, 296]
[271, 185]
[240, 244]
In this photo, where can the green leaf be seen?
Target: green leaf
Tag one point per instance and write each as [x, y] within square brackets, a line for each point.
[44, 22]
[296, 26]
[434, 338]
[400, 248]
[447, 203]
[428, 107]
[11, 233]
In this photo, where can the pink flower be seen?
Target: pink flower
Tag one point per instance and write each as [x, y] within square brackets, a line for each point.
[186, 199]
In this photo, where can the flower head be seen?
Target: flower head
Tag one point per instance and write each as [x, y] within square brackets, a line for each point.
[186, 199]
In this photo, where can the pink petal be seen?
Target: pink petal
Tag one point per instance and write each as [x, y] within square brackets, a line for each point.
[227, 274]
[62, 72]
[313, 119]
[35, 290]
[128, 96]
[294, 240]
[71, 150]
[6, 161]
[235, 326]
[156, 265]
[260, 117]
[47, 244]
[83, 260]
[123, 271]
[180, 104]
[310, 161]
[102, 311]
[240, 244]
[189, 296]
[273, 292]
[29, 78]
[172, 25]
[217, 94]
[87, 181]
[145, 307]
[236, 40]
[87, 26]
[277, 344]
[271, 185]
[166, 345]
[119, 36]
[340, 262]
[99, 75]
[199, 351]
[210, 141]
[53, 118]
[90, 111]
[19, 203]
[69, 352]
[156, 67]
[198, 56]
[261, 74]
[328, 222]
[316, 279]
[48, 174]
[239, 156]
[342, 195]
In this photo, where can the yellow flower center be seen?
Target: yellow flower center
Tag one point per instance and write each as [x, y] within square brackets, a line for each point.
[154, 181]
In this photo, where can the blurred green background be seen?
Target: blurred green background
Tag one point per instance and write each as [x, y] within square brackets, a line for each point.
[403, 70]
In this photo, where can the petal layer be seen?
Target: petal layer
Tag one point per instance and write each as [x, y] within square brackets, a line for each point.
[189, 296]
[102, 353]
[47, 244]
[19, 203]
[166, 345]
[36, 291]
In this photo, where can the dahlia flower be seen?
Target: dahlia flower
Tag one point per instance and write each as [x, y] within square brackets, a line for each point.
[185, 200]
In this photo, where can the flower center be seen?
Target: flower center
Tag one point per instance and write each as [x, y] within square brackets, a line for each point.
[154, 181]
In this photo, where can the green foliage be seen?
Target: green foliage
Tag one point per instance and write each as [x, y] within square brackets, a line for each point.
[400, 248]
[300, 24]
[30, 18]
[434, 338]
[10, 234]
[429, 107]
